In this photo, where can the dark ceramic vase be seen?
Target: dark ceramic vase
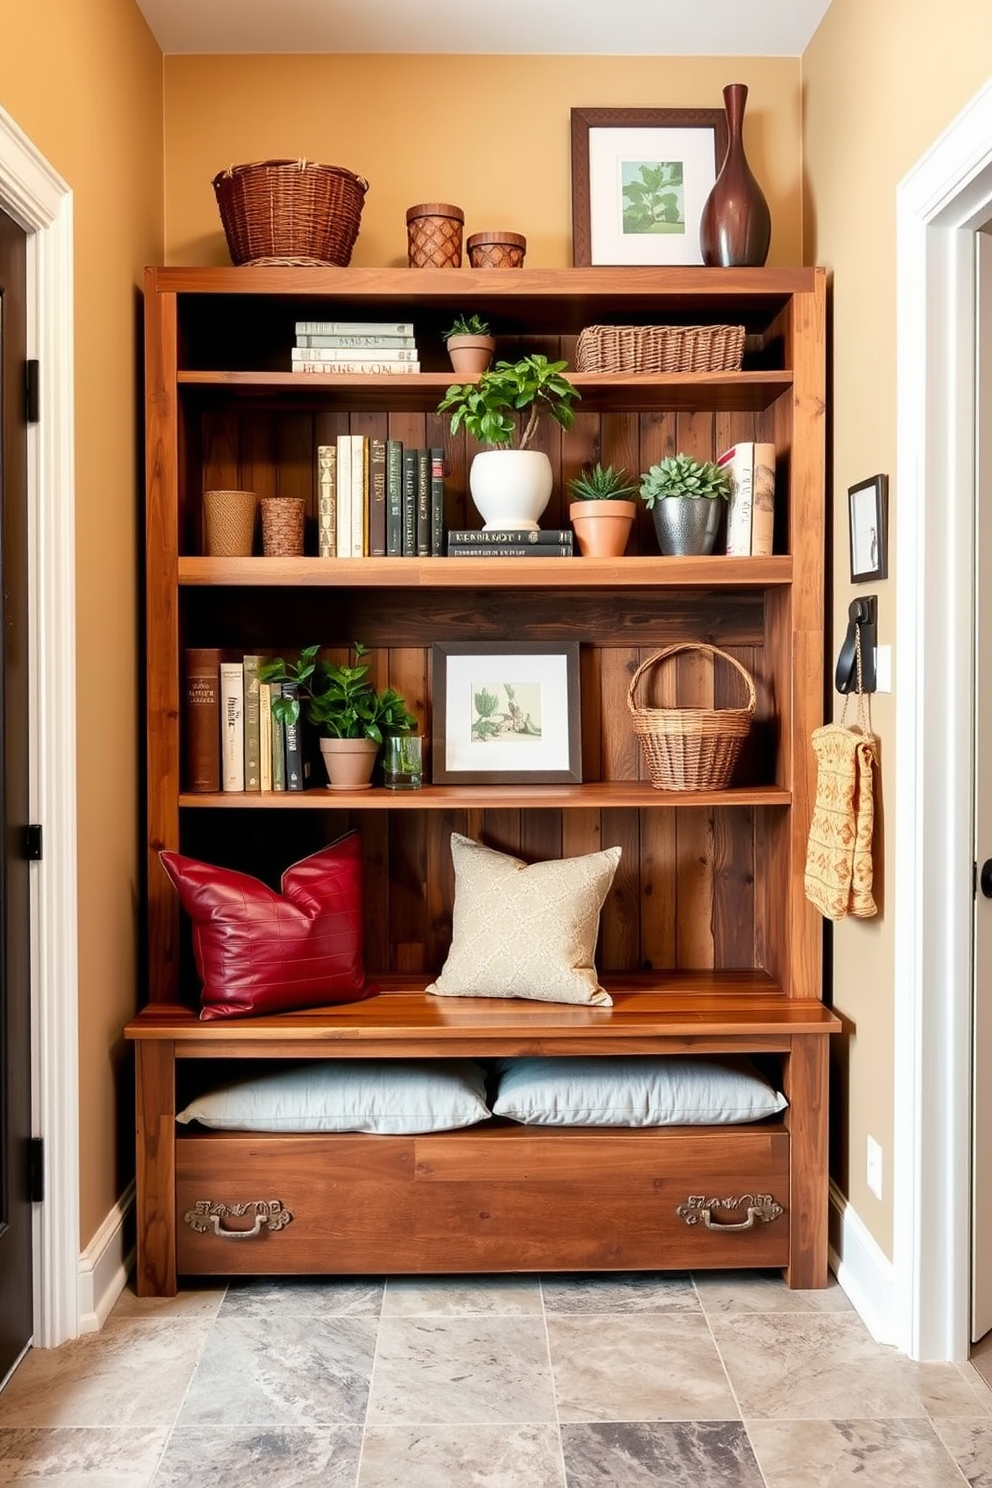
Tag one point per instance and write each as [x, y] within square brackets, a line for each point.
[736, 226]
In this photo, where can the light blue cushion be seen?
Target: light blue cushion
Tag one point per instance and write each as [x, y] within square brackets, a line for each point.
[646, 1091]
[359, 1095]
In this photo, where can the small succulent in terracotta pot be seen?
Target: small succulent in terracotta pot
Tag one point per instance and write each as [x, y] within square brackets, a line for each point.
[601, 510]
[470, 345]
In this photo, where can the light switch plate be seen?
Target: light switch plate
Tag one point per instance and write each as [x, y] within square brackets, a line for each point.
[883, 668]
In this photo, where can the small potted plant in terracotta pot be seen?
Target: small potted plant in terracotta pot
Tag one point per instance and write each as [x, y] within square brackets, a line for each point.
[686, 498]
[351, 716]
[601, 511]
[470, 346]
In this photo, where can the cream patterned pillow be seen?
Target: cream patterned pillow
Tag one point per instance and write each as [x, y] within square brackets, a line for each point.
[525, 929]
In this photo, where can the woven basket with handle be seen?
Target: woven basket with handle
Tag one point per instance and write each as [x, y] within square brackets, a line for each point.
[290, 212]
[691, 748]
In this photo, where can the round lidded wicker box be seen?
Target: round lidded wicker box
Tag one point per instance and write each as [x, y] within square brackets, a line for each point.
[691, 748]
[434, 235]
[292, 212]
[496, 249]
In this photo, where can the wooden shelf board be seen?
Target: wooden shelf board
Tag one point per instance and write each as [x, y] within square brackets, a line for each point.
[688, 1005]
[595, 794]
[599, 392]
[622, 292]
[717, 572]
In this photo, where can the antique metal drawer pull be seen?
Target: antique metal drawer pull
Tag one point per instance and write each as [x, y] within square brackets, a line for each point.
[269, 1214]
[699, 1210]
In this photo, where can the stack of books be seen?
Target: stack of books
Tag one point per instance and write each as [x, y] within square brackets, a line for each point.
[233, 742]
[346, 347]
[379, 498]
[511, 543]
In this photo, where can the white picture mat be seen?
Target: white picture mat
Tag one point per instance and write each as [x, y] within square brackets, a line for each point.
[864, 529]
[608, 149]
[465, 673]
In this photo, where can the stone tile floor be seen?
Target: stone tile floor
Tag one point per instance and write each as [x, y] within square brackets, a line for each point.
[623, 1381]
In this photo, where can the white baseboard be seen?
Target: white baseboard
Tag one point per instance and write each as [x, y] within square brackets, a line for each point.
[863, 1270]
[104, 1265]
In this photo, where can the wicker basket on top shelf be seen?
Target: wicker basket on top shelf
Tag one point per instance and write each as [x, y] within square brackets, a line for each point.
[652, 348]
[292, 212]
[691, 748]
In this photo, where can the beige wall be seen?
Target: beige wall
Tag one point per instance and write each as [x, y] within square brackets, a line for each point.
[500, 147]
[881, 81]
[84, 83]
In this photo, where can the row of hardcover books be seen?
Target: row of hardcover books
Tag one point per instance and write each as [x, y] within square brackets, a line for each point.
[379, 498]
[233, 742]
[346, 347]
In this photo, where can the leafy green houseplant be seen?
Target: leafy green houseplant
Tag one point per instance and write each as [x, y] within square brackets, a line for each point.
[686, 498]
[342, 704]
[492, 408]
[601, 510]
[511, 483]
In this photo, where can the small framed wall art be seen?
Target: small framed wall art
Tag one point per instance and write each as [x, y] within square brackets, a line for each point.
[640, 179]
[868, 503]
[506, 714]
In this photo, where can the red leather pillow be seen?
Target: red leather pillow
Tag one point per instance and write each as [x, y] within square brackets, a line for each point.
[262, 952]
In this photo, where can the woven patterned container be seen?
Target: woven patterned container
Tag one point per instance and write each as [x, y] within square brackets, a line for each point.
[434, 235]
[229, 523]
[691, 748]
[282, 526]
[290, 212]
[496, 249]
[715, 348]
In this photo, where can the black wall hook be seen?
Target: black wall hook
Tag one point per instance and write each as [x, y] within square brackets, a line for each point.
[862, 617]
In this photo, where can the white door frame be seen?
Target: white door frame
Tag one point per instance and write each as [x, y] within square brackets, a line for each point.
[40, 201]
[939, 205]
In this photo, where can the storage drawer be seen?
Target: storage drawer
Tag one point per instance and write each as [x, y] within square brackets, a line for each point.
[489, 1198]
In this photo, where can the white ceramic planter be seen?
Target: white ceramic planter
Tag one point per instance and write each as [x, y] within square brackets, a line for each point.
[510, 488]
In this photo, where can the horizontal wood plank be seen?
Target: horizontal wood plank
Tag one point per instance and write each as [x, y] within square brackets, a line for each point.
[650, 573]
[687, 1006]
[599, 794]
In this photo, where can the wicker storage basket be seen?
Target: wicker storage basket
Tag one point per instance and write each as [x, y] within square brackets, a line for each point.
[620, 348]
[290, 212]
[691, 748]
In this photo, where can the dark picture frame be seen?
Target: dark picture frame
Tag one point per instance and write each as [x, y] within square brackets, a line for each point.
[868, 524]
[527, 730]
[663, 136]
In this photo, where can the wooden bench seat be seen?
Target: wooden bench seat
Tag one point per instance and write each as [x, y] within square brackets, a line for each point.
[495, 1196]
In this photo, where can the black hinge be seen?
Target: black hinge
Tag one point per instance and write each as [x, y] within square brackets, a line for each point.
[32, 843]
[36, 1170]
[32, 378]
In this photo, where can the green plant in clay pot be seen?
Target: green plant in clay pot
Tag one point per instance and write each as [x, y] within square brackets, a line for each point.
[601, 510]
[510, 482]
[470, 344]
[351, 716]
[687, 499]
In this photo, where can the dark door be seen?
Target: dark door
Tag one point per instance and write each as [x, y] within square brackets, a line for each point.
[16, 1308]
